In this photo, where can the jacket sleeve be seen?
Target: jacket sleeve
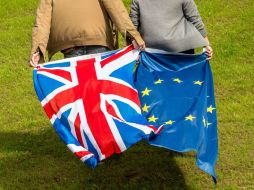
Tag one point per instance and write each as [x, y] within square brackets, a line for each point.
[41, 29]
[192, 15]
[134, 13]
[120, 17]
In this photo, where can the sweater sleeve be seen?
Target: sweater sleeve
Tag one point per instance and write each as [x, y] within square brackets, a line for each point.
[134, 13]
[119, 15]
[41, 29]
[192, 15]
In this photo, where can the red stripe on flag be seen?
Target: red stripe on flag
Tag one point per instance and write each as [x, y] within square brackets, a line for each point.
[86, 62]
[63, 98]
[116, 56]
[90, 90]
[58, 72]
[77, 130]
[111, 111]
[49, 111]
[81, 154]
[159, 129]
[152, 127]
[109, 87]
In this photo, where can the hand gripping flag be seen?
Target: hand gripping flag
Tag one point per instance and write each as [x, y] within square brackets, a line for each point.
[176, 90]
[92, 104]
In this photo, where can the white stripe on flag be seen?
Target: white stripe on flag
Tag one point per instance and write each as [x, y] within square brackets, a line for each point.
[74, 148]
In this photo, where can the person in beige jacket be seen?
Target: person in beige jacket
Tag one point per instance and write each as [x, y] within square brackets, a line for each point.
[80, 27]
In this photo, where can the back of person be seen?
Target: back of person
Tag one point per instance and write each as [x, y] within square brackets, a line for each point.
[80, 27]
[81, 23]
[171, 25]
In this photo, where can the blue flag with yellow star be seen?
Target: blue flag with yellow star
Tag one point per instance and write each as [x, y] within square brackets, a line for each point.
[176, 90]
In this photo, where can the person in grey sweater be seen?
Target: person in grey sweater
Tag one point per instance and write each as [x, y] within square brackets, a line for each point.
[170, 25]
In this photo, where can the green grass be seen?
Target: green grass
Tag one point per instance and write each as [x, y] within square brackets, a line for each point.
[33, 157]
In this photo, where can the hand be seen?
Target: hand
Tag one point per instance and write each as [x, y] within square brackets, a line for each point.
[34, 60]
[209, 52]
[137, 46]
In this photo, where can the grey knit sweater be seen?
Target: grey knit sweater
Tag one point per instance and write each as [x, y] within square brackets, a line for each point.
[171, 25]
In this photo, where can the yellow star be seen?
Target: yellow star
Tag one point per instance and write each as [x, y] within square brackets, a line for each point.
[159, 81]
[177, 80]
[210, 109]
[190, 118]
[169, 122]
[197, 82]
[145, 108]
[146, 92]
[152, 119]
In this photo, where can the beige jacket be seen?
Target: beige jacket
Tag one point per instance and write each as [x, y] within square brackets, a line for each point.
[61, 24]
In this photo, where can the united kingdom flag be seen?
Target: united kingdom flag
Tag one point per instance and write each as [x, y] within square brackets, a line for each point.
[92, 103]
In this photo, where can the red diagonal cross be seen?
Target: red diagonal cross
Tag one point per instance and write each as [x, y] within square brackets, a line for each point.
[89, 89]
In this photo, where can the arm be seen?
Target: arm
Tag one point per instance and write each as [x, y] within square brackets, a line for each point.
[192, 15]
[134, 13]
[120, 17]
[41, 31]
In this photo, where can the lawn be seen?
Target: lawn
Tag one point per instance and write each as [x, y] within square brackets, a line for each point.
[33, 157]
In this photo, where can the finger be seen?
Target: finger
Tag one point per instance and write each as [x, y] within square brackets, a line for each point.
[209, 50]
[31, 64]
[208, 53]
[135, 46]
[209, 57]
[142, 46]
[33, 58]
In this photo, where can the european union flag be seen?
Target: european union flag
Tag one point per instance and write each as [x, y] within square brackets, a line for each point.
[176, 90]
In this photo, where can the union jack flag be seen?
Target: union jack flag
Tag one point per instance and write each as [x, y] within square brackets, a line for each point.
[92, 103]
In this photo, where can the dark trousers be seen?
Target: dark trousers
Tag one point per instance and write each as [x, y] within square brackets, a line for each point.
[83, 50]
[190, 51]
